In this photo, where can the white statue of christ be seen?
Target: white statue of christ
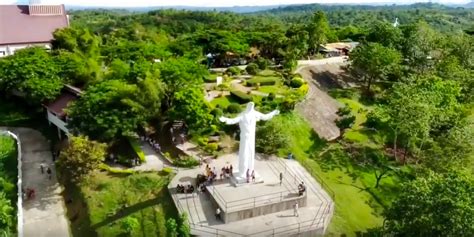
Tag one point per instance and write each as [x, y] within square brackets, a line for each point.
[247, 121]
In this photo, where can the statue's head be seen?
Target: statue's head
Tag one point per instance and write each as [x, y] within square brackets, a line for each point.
[249, 107]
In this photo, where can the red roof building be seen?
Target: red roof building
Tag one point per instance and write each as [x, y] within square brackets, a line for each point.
[29, 25]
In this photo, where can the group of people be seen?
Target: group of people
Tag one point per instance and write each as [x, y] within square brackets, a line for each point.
[48, 170]
[154, 144]
[301, 189]
[211, 175]
[252, 175]
[226, 172]
[185, 189]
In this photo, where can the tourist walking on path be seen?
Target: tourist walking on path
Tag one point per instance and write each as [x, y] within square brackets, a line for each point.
[218, 214]
[42, 168]
[281, 178]
[295, 213]
[248, 176]
[253, 176]
[49, 173]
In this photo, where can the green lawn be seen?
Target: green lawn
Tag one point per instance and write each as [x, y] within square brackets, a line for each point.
[356, 208]
[104, 204]
[223, 101]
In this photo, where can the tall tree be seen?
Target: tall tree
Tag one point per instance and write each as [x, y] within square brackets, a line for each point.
[385, 34]
[81, 157]
[191, 107]
[180, 73]
[111, 109]
[33, 73]
[318, 30]
[435, 205]
[374, 62]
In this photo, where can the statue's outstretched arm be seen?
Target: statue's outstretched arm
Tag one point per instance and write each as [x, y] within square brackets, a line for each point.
[230, 120]
[268, 116]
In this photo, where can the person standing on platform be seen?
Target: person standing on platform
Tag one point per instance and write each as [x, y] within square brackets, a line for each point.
[296, 209]
[218, 214]
[281, 178]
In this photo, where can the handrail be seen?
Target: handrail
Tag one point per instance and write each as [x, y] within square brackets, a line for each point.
[300, 226]
[230, 204]
[320, 180]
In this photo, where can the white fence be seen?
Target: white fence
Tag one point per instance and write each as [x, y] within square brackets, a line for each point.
[19, 184]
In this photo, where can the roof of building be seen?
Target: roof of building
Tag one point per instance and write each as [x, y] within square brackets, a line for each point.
[339, 46]
[58, 106]
[21, 24]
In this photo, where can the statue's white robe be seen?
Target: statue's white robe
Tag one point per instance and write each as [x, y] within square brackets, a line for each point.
[247, 121]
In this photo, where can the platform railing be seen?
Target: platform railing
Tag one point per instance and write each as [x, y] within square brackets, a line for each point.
[252, 202]
[299, 227]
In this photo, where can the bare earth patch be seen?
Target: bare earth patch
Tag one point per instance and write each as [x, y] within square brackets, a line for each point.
[319, 108]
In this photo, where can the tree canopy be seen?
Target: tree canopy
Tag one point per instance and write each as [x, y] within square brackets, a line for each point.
[435, 205]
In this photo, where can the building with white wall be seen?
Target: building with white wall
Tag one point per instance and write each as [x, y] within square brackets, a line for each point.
[29, 25]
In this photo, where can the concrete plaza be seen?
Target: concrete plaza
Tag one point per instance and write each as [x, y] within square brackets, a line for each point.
[313, 218]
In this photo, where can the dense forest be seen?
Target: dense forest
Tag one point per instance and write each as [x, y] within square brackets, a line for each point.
[414, 87]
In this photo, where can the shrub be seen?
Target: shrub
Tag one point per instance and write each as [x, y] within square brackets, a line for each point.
[345, 122]
[252, 69]
[262, 63]
[211, 147]
[138, 150]
[167, 170]
[303, 90]
[111, 170]
[241, 96]
[217, 112]
[288, 104]
[271, 96]
[296, 82]
[343, 111]
[234, 108]
[202, 141]
[262, 81]
[210, 79]
[375, 119]
[233, 71]
[274, 140]
[186, 162]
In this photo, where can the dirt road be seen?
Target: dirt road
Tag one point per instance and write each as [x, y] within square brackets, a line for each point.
[319, 108]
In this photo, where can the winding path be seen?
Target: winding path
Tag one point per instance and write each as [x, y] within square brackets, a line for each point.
[45, 214]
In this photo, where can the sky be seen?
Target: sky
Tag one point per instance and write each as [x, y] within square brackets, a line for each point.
[211, 3]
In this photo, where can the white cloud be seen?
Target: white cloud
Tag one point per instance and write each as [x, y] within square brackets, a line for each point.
[204, 3]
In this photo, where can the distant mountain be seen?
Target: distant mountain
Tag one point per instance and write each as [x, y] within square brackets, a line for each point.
[236, 9]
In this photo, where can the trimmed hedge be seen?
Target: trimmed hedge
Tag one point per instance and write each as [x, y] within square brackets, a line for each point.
[138, 150]
[262, 81]
[210, 79]
[234, 108]
[252, 69]
[111, 170]
[241, 96]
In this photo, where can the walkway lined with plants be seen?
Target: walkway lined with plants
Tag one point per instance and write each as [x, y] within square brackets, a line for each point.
[154, 160]
[43, 214]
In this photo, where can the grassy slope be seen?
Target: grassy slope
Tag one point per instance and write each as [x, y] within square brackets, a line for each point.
[110, 199]
[356, 209]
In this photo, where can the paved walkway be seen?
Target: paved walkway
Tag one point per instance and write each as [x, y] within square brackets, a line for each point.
[154, 161]
[43, 216]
